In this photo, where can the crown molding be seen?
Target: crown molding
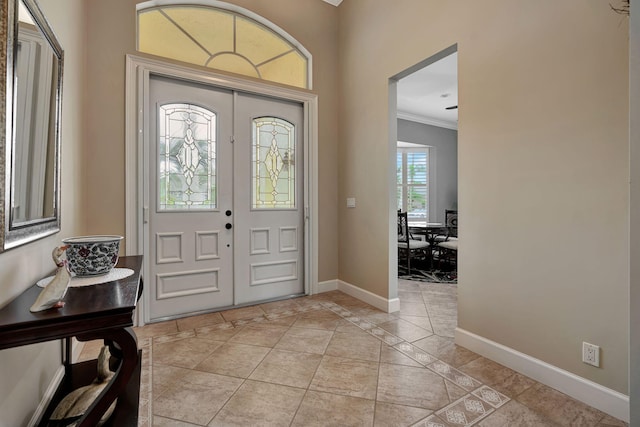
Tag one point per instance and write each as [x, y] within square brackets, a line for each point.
[426, 120]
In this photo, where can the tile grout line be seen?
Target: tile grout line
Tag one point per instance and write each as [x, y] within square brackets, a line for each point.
[306, 391]
[147, 351]
[438, 415]
[372, 329]
[263, 359]
[241, 324]
[244, 380]
[347, 315]
[428, 313]
[375, 401]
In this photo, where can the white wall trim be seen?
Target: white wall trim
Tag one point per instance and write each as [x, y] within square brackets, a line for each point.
[392, 203]
[426, 120]
[384, 304]
[48, 396]
[326, 286]
[605, 399]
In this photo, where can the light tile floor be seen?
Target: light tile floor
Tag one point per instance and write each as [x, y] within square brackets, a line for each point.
[332, 360]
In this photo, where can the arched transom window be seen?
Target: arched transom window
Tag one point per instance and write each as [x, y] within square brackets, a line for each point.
[233, 40]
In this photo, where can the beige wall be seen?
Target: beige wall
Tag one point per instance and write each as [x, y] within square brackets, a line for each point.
[543, 166]
[542, 157]
[112, 27]
[93, 156]
[25, 372]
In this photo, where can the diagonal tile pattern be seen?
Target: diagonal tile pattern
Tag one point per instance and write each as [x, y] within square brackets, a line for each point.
[329, 360]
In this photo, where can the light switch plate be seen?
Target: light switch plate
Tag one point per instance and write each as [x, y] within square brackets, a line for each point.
[351, 202]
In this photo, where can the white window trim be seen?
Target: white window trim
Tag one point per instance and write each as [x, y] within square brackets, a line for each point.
[408, 148]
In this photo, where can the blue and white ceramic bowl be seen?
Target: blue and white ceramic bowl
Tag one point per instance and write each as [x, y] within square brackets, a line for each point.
[92, 255]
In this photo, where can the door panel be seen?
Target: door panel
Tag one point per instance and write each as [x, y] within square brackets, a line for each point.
[269, 236]
[189, 190]
[226, 223]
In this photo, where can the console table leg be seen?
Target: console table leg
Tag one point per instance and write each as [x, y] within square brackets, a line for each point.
[127, 343]
[67, 358]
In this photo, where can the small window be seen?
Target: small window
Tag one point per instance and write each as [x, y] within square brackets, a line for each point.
[274, 172]
[412, 173]
[186, 158]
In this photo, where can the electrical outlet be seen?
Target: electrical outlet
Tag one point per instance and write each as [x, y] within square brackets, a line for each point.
[591, 354]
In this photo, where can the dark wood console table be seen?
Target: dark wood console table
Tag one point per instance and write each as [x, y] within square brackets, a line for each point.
[103, 311]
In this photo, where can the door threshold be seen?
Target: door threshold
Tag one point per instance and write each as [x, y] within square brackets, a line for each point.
[226, 308]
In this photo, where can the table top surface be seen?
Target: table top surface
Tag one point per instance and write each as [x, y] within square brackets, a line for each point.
[423, 224]
[87, 302]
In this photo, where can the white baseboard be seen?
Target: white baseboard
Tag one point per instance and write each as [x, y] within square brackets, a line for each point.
[605, 399]
[48, 396]
[394, 305]
[326, 286]
[384, 304]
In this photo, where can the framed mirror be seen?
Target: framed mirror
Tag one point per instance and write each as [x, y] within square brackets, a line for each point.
[32, 102]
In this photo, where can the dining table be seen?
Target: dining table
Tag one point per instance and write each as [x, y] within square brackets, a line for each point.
[430, 230]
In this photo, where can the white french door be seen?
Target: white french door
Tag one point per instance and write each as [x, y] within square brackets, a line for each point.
[225, 198]
[268, 157]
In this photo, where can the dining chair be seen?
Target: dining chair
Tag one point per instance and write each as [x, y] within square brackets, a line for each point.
[447, 252]
[407, 246]
[451, 222]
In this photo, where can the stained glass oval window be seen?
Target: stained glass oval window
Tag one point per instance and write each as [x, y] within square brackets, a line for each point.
[273, 168]
[186, 158]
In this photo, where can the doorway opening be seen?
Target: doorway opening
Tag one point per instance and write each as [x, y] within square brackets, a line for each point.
[424, 198]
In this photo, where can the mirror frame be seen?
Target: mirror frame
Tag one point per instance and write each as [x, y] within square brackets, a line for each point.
[12, 235]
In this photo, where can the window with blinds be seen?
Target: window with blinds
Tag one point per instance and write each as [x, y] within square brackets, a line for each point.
[412, 172]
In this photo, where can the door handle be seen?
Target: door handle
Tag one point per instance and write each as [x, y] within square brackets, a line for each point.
[228, 226]
[228, 213]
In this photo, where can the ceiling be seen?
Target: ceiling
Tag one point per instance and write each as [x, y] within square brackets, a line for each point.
[424, 95]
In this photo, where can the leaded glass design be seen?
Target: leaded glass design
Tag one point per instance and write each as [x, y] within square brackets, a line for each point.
[273, 164]
[224, 40]
[186, 157]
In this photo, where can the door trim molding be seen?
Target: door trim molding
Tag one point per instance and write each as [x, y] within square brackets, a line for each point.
[138, 71]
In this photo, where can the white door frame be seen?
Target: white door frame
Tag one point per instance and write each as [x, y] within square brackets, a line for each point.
[138, 71]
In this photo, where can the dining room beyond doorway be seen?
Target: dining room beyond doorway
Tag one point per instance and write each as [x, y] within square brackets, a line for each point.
[427, 170]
